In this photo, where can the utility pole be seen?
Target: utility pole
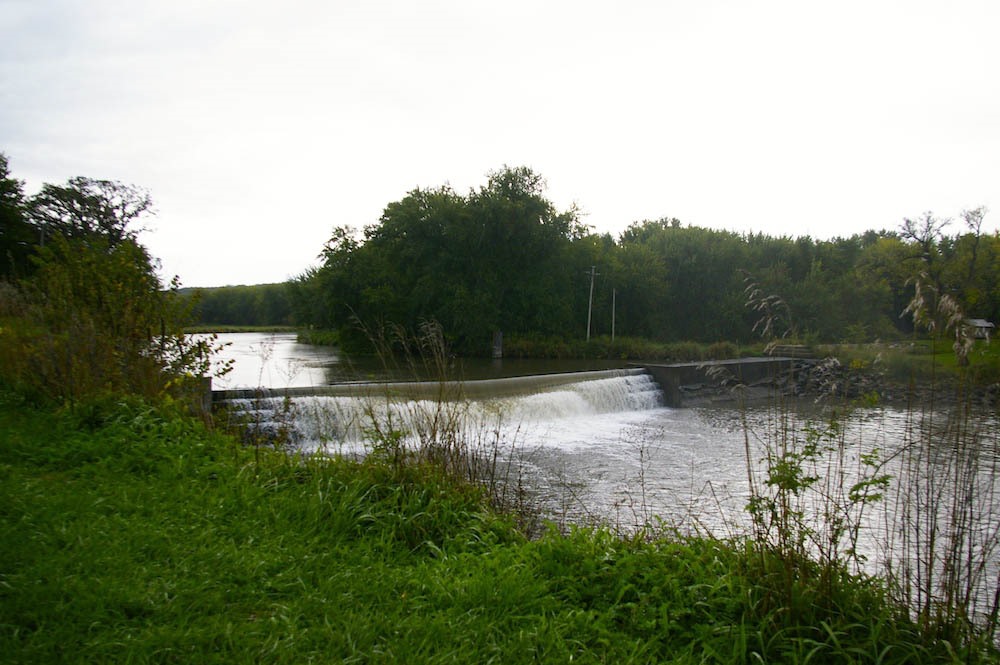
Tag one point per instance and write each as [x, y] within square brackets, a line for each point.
[614, 296]
[590, 302]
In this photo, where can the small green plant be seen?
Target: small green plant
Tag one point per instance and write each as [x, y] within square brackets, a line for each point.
[809, 501]
[809, 487]
[936, 494]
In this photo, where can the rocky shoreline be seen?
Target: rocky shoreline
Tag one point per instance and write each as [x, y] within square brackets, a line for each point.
[827, 378]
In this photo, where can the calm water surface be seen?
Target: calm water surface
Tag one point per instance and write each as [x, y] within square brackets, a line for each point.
[276, 360]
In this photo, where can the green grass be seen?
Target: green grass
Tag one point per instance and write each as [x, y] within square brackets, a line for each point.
[623, 348]
[924, 362]
[132, 534]
[318, 337]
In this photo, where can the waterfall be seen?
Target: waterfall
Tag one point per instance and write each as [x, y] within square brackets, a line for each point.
[340, 416]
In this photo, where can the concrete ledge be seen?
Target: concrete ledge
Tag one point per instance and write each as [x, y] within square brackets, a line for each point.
[672, 377]
[441, 390]
[792, 351]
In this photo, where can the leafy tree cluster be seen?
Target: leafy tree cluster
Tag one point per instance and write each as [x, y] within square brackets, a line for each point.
[256, 305]
[18, 237]
[501, 258]
[497, 259]
[82, 310]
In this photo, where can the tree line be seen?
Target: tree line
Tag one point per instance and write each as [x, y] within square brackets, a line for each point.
[502, 258]
[83, 313]
[244, 305]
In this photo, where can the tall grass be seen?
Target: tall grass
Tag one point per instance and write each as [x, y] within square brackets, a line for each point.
[935, 494]
[437, 430]
[942, 553]
[132, 534]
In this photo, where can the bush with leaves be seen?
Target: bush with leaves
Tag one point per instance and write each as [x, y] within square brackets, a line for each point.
[94, 320]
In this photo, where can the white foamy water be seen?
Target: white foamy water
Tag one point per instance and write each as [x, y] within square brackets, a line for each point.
[561, 403]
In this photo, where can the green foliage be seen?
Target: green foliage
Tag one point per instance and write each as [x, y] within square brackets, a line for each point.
[222, 328]
[254, 306]
[134, 534]
[318, 337]
[17, 236]
[491, 260]
[722, 351]
[984, 364]
[923, 362]
[85, 209]
[623, 348]
[93, 320]
[502, 259]
[91, 317]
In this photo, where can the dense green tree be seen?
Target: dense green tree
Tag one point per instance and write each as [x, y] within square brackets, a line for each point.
[17, 236]
[696, 291]
[103, 315]
[513, 255]
[96, 321]
[640, 278]
[257, 305]
[93, 318]
[967, 265]
[88, 209]
[502, 258]
[493, 260]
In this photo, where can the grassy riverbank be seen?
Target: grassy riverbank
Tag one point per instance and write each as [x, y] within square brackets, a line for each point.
[134, 534]
[923, 361]
[600, 347]
[223, 328]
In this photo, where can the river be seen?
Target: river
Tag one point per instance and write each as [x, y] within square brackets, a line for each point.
[277, 360]
[599, 446]
[594, 450]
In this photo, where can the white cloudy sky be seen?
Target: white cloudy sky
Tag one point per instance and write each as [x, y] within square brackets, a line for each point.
[258, 125]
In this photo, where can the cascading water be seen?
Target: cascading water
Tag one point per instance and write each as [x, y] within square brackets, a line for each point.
[341, 422]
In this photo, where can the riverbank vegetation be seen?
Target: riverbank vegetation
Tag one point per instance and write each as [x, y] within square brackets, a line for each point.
[133, 533]
[202, 329]
[924, 362]
[82, 310]
[260, 306]
[502, 259]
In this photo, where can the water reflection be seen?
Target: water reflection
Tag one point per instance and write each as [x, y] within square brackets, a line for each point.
[273, 360]
[277, 360]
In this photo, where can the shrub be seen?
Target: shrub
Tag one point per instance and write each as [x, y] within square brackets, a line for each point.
[685, 351]
[722, 351]
[94, 320]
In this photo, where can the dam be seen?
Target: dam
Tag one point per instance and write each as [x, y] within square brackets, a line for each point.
[680, 381]
[677, 381]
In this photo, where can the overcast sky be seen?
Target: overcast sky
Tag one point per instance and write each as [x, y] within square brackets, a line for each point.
[259, 126]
